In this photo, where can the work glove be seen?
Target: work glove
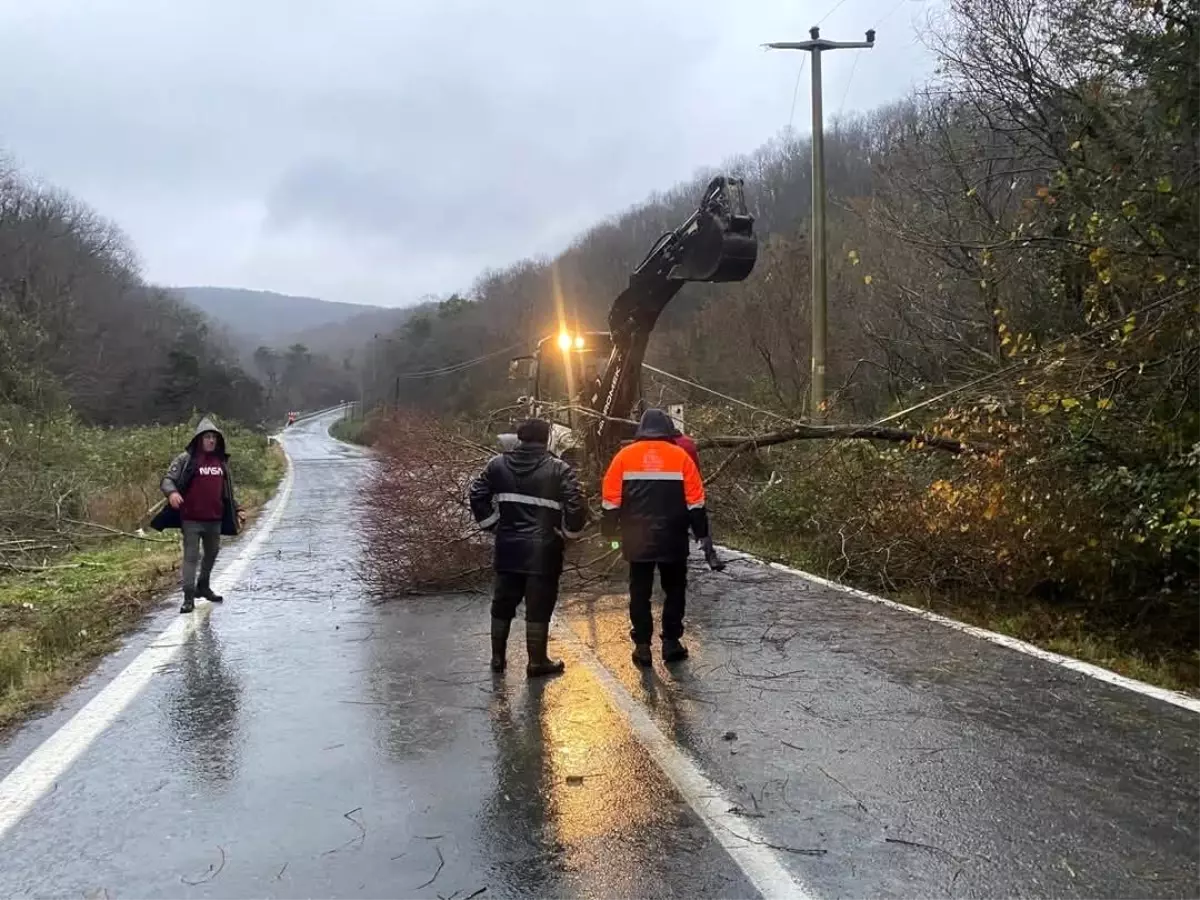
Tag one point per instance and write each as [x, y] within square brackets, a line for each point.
[710, 555]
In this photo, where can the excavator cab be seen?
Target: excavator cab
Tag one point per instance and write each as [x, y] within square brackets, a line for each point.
[559, 376]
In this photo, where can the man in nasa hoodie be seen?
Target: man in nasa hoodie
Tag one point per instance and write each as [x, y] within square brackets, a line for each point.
[200, 502]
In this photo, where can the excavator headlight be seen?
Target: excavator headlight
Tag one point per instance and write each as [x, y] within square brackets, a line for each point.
[564, 341]
[579, 342]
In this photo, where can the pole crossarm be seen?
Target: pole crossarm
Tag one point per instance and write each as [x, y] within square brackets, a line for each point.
[821, 44]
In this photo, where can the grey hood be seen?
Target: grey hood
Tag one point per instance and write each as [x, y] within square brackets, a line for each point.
[207, 424]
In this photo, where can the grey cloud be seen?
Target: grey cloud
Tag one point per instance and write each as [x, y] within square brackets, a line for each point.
[374, 150]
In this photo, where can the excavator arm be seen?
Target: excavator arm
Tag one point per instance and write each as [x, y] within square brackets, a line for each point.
[716, 243]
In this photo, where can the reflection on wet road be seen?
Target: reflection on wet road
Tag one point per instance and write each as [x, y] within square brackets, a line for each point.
[302, 742]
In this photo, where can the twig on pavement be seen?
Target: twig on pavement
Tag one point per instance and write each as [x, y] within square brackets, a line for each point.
[861, 805]
[360, 837]
[212, 873]
[441, 865]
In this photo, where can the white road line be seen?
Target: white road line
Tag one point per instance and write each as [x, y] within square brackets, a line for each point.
[37, 773]
[752, 853]
[1175, 698]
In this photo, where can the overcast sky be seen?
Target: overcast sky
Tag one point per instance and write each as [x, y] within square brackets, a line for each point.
[376, 150]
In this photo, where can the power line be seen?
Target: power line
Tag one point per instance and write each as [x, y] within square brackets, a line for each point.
[849, 81]
[796, 92]
[949, 392]
[892, 12]
[836, 7]
[709, 390]
[461, 366]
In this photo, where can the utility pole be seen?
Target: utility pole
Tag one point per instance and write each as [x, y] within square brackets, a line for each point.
[819, 292]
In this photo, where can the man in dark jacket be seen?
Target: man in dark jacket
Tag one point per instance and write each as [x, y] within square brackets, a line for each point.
[200, 502]
[531, 500]
[653, 494]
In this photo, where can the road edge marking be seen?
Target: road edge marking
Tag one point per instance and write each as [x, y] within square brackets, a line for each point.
[37, 773]
[748, 849]
[1175, 698]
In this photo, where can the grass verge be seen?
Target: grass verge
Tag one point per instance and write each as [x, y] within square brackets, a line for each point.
[354, 431]
[56, 623]
[1055, 629]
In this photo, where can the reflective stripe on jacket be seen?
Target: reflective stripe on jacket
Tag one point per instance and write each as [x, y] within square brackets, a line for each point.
[532, 500]
[652, 494]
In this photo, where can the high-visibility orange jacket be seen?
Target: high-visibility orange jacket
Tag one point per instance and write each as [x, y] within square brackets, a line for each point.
[652, 495]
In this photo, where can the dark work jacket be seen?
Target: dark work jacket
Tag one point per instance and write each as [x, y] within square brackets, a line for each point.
[531, 500]
[179, 476]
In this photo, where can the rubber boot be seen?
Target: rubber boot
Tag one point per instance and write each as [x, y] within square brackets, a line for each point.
[673, 650]
[203, 590]
[642, 656]
[189, 602]
[500, 629]
[537, 636]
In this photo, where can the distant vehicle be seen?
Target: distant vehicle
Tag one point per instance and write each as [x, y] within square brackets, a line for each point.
[291, 419]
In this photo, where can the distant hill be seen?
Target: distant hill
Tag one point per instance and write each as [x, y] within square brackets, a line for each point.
[349, 337]
[279, 320]
[268, 316]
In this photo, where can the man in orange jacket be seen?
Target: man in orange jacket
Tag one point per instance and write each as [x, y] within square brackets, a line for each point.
[652, 496]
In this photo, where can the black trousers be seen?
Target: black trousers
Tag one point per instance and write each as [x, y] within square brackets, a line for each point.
[540, 593]
[641, 588]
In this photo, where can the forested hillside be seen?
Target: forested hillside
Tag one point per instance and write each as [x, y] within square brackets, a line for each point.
[80, 328]
[1014, 262]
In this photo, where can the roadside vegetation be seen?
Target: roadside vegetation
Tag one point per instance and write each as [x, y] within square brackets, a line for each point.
[355, 428]
[78, 568]
[1013, 265]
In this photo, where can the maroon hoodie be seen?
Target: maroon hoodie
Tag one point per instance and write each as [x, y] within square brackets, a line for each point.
[205, 497]
[689, 447]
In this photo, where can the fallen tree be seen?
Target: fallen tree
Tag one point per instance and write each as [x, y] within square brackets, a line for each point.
[420, 535]
[804, 432]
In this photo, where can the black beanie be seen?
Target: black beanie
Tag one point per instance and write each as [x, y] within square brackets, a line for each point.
[534, 431]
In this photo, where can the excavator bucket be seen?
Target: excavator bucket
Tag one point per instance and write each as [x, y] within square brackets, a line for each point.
[716, 253]
[718, 244]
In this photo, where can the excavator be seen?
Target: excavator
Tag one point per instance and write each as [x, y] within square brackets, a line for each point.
[589, 400]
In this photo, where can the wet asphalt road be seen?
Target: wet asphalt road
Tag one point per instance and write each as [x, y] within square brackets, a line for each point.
[303, 742]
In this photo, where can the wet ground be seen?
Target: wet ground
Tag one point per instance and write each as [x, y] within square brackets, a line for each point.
[299, 741]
